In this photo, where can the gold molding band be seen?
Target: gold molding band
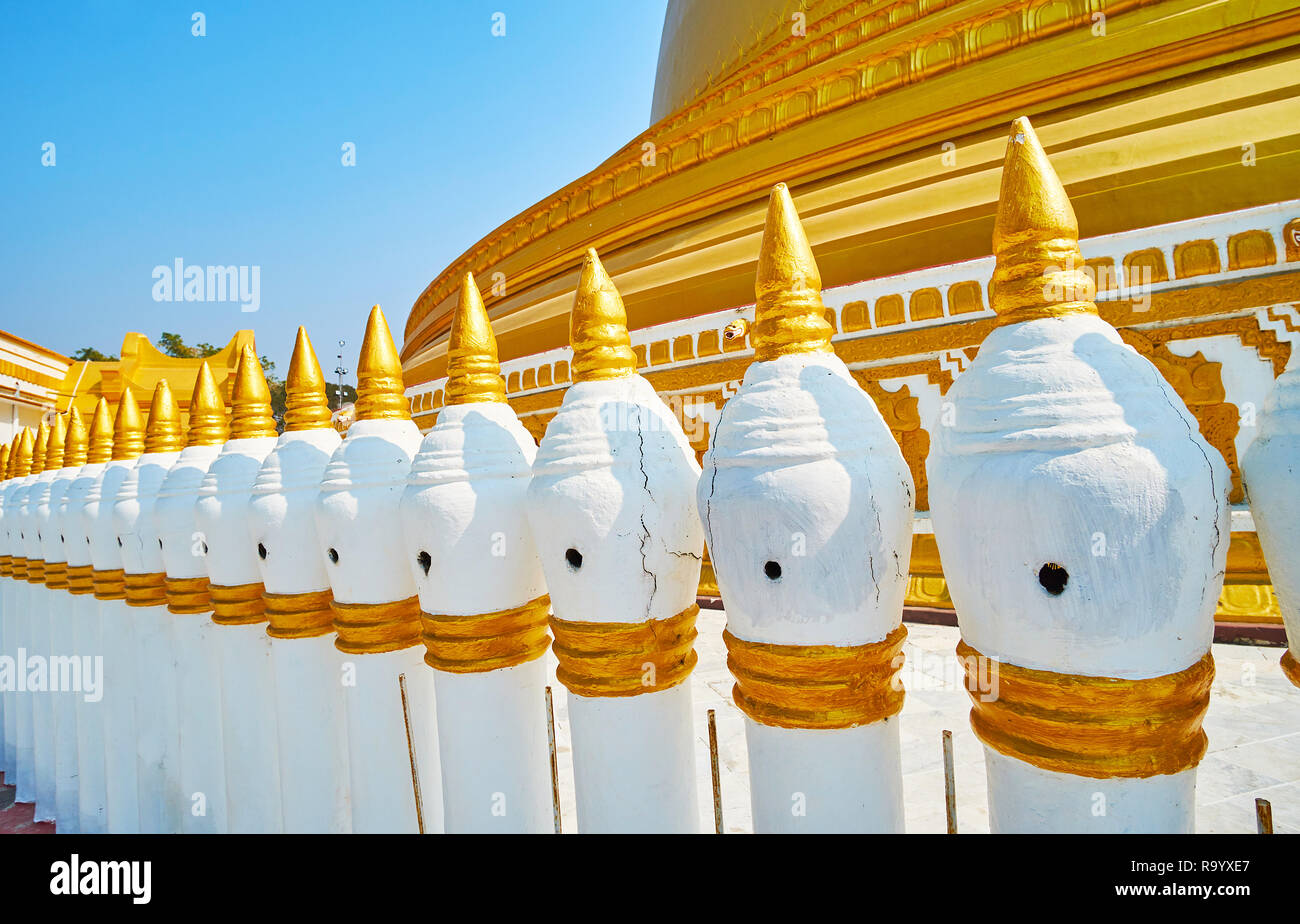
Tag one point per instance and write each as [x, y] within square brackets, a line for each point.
[81, 579]
[611, 658]
[56, 575]
[1291, 667]
[6, 565]
[373, 628]
[305, 615]
[187, 596]
[19, 568]
[1097, 727]
[237, 604]
[146, 589]
[35, 571]
[109, 585]
[817, 686]
[487, 641]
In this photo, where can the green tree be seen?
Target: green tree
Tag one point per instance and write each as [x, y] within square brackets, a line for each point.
[90, 354]
[332, 395]
[174, 345]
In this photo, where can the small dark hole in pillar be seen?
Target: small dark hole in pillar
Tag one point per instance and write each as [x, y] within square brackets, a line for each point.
[772, 570]
[425, 560]
[205, 548]
[61, 539]
[159, 543]
[261, 551]
[574, 558]
[334, 556]
[1053, 578]
[119, 542]
[38, 537]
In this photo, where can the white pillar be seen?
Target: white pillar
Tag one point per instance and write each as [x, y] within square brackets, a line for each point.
[807, 504]
[612, 504]
[38, 609]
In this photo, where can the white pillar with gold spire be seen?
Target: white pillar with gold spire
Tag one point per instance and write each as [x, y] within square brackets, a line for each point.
[807, 504]
[482, 592]
[198, 675]
[92, 782]
[239, 613]
[116, 626]
[376, 611]
[612, 501]
[6, 575]
[310, 720]
[1094, 614]
[17, 709]
[1271, 469]
[39, 599]
[157, 745]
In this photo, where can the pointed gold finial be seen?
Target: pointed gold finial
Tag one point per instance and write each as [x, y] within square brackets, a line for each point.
[1040, 269]
[305, 404]
[207, 411]
[58, 441]
[789, 316]
[250, 400]
[473, 371]
[128, 428]
[163, 431]
[101, 434]
[598, 334]
[4, 463]
[21, 456]
[380, 391]
[78, 444]
[41, 447]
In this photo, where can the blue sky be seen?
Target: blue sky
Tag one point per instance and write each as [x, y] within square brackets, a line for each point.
[226, 150]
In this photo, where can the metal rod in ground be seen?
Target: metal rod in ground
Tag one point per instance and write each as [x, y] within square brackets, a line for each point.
[410, 747]
[717, 780]
[949, 783]
[1264, 816]
[555, 767]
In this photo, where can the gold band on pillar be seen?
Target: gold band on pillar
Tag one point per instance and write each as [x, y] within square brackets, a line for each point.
[373, 628]
[1098, 727]
[1291, 667]
[35, 571]
[625, 658]
[487, 641]
[81, 579]
[18, 568]
[817, 686]
[6, 565]
[56, 574]
[187, 596]
[237, 604]
[146, 589]
[304, 615]
[109, 585]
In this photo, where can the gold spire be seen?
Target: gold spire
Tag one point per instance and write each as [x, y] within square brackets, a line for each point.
[101, 434]
[789, 316]
[128, 428]
[250, 400]
[1039, 271]
[207, 411]
[4, 463]
[473, 371]
[75, 450]
[598, 327]
[162, 432]
[380, 391]
[305, 404]
[21, 457]
[58, 440]
[41, 447]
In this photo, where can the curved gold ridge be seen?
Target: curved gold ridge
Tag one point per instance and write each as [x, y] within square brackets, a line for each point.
[20, 457]
[473, 370]
[128, 428]
[4, 463]
[610, 658]
[78, 442]
[306, 406]
[373, 628]
[1040, 270]
[598, 333]
[207, 411]
[101, 434]
[54, 448]
[789, 316]
[42, 446]
[237, 604]
[163, 431]
[487, 641]
[250, 400]
[304, 615]
[381, 395]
